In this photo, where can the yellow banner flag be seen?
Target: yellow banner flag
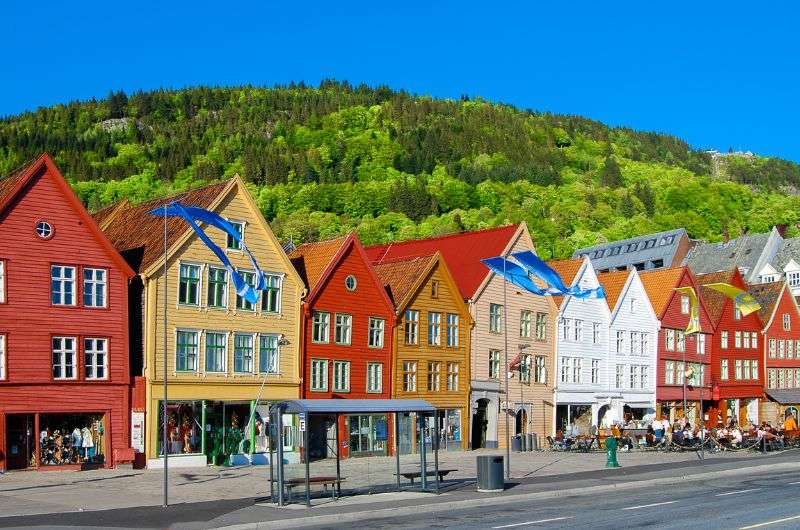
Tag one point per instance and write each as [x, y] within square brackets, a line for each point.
[694, 309]
[741, 298]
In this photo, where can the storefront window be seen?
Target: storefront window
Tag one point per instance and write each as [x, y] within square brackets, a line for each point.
[184, 427]
[368, 434]
[67, 439]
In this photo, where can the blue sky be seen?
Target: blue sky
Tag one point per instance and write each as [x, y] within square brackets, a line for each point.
[717, 75]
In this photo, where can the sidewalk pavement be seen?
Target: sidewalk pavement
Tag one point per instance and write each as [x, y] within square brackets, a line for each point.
[29, 493]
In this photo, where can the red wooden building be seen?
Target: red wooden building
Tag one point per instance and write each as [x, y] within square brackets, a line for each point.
[64, 394]
[736, 355]
[347, 329]
[679, 354]
[780, 346]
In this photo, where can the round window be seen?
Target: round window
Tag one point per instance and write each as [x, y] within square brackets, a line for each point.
[44, 229]
[350, 282]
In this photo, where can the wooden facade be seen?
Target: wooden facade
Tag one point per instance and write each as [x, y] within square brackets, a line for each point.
[47, 234]
[219, 351]
[347, 325]
[431, 345]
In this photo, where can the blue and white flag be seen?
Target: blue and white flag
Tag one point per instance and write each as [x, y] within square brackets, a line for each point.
[192, 215]
[536, 267]
[514, 274]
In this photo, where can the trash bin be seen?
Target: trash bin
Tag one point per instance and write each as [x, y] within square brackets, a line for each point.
[516, 443]
[490, 474]
[533, 442]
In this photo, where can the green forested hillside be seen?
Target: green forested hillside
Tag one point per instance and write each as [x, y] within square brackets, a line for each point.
[325, 160]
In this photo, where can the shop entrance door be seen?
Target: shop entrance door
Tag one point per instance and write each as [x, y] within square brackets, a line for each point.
[20, 440]
[479, 425]
[364, 439]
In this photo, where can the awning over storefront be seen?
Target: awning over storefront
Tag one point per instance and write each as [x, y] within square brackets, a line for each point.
[784, 397]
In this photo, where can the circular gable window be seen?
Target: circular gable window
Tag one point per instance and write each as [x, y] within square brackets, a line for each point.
[350, 282]
[44, 229]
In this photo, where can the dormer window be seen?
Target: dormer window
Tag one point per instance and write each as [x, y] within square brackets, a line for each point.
[44, 229]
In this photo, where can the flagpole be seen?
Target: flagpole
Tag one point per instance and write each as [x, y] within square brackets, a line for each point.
[506, 368]
[164, 401]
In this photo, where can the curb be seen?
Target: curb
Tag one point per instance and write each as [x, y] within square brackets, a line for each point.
[339, 519]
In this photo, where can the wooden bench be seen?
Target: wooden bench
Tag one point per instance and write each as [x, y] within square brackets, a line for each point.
[411, 475]
[291, 483]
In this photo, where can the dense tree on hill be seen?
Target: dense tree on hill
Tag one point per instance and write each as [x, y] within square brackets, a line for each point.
[329, 159]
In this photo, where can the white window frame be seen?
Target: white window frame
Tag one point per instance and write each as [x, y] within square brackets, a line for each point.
[495, 318]
[376, 330]
[319, 375]
[701, 344]
[228, 238]
[224, 360]
[90, 358]
[2, 281]
[669, 372]
[680, 340]
[596, 333]
[737, 371]
[723, 339]
[724, 369]
[209, 283]
[635, 344]
[746, 340]
[341, 376]
[3, 358]
[343, 329]
[197, 346]
[787, 322]
[320, 327]
[434, 328]
[374, 378]
[411, 327]
[276, 365]
[63, 281]
[754, 340]
[452, 376]
[620, 376]
[409, 376]
[773, 348]
[278, 288]
[453, 329]
[540, 376]
[669, 340]
[63, 361]
[578, 330]
[434, 376]
[494, 364]
[595, 371]
[249, 278]
[199, 268]
[525, 323]
[252, 358]
[685, 305]
[737, 340]
[620, 342]
[793, 278]
[95, 283]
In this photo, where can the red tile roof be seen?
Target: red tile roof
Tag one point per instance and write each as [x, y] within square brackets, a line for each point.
[462, 252]
[400, 275]
[311, 259]
[660, 285]
[714, 300]
[140, 236]
[613, 283]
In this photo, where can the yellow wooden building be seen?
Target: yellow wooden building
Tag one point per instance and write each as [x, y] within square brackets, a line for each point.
[431, 347]
[227, 360]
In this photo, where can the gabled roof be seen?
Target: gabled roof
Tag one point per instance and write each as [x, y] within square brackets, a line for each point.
[744, 252]
[140, 236]
[714, 300]
[312, 259]
[463, 253]
[315, 262]
[790, 249]
[613, 284]
[568, 269]
[15, 183]
[401, 275]
[767, 295]
[659, 285]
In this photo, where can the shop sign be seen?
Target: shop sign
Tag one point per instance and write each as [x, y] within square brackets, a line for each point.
[381, 430]
[137, 431]
[302, 419]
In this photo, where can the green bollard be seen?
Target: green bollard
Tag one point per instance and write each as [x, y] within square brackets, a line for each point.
[611, 450]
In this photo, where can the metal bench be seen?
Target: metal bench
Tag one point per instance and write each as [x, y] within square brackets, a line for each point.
[411, 475]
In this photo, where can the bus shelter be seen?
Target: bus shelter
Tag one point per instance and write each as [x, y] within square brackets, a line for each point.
[306, 408]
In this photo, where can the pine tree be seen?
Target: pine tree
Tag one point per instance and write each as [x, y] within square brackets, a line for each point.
[610, 175]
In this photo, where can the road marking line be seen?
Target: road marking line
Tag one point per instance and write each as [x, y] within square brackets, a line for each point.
[776, 521]
[649, 505]
[793, 483]
[533, 522]
[736, 492]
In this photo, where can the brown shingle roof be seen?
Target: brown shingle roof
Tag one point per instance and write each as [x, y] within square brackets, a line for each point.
[659, 285]
[139, 236]
[311, 259]
[714, 300]
[767, 295]
[400, 275]
[9, 183]
[613, 283]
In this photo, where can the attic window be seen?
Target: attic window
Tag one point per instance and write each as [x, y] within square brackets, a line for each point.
[350, 283]
[44, 229]
[434, 289]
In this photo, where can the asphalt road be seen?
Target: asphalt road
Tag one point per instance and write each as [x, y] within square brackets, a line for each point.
[746, 502]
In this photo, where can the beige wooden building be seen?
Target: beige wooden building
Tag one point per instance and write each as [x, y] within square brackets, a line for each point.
[226, 359]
